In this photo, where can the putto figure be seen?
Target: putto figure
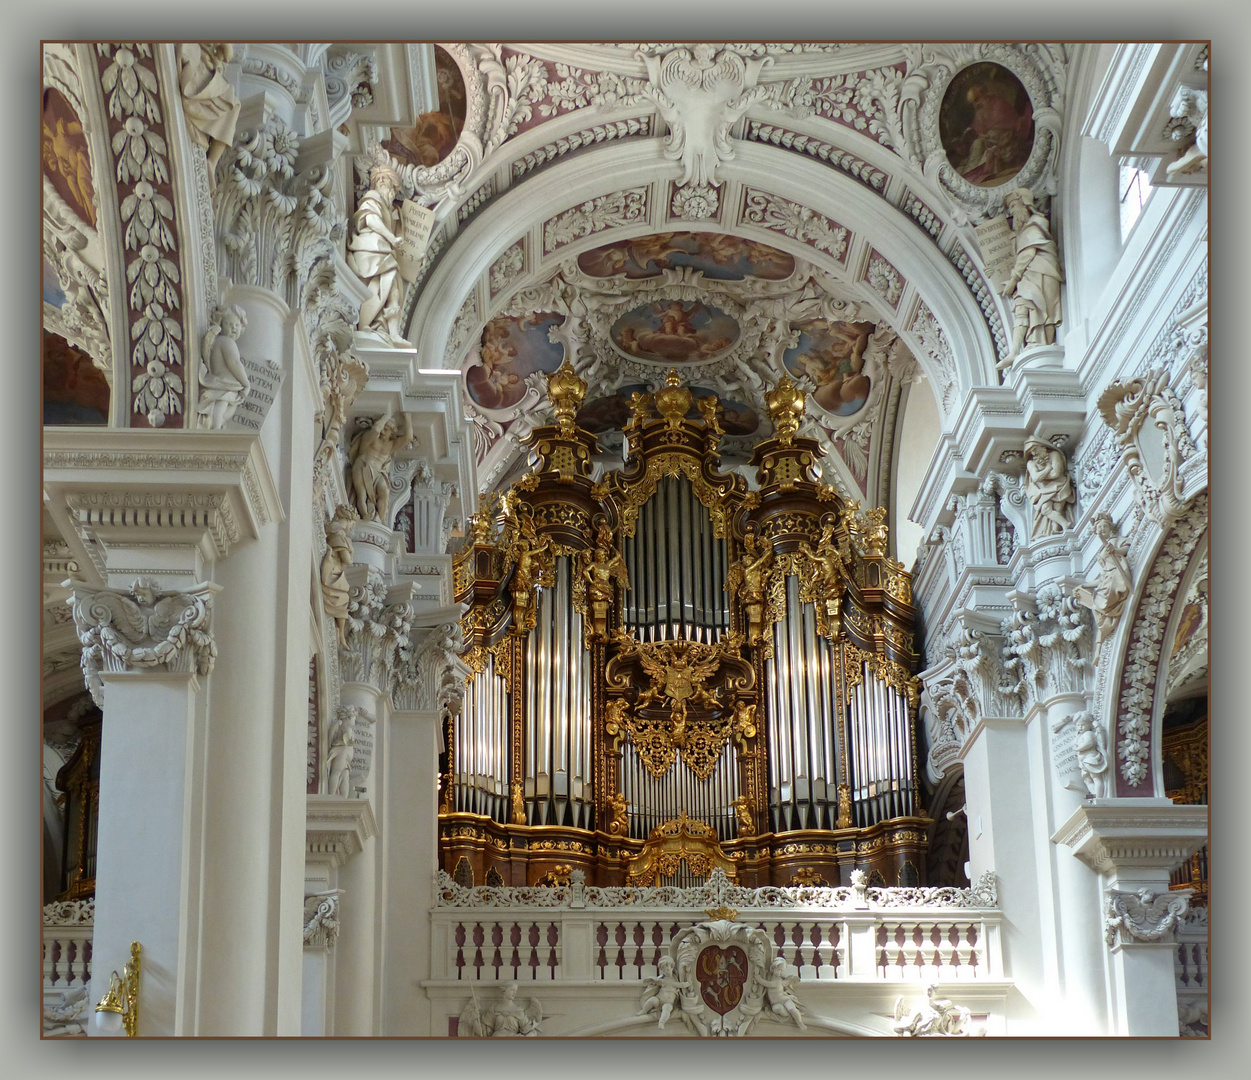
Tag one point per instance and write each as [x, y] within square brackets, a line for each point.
[224, 382]
[371, 253]
[1033, 287]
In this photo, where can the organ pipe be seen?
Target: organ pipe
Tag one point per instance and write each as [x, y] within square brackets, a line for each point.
[810, 690]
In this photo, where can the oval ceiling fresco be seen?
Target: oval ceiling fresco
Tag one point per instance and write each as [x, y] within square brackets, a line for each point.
[64, 151]
[831, 354]
[986, 124]
[511, 349]
[434, 135]
[675, 332]
[715, 255]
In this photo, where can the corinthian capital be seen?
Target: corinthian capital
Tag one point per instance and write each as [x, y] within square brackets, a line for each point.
[1143, 915]
[143, 628]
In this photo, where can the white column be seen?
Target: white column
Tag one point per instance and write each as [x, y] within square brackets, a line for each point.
[257, 729]
[409, 831]
[1134, 844]
[999, 805]
[149, 845]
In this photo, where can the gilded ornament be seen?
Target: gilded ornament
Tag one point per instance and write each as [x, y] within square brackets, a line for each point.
[825, 581]
[748, 581]
[518, 803]
[620, 823]
[786, 409]
[673, 400]
[604, 568]
[566, 391]
[744, 816]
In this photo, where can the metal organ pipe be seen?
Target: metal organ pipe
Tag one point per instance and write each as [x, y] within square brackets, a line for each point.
[481, 739]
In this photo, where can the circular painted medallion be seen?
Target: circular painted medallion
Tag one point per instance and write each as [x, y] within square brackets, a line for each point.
[986, 124]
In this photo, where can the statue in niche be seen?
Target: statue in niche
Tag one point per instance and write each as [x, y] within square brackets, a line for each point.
[334, 584]
[371, 253]
[1033, 287]
[224, 382]
[1048, 487]
[935, 1016]
[748, 579]
[620, 823]
[209, 102]
[370, 456]
[1106, 596]
[743, 816]
[661, 991]
[339, 758]
[1092, 756]
[606, 567]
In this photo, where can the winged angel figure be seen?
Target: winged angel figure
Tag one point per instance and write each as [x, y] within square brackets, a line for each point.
[142, 629]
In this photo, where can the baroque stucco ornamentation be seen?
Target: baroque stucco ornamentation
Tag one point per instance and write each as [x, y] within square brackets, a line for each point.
[701, 93]
[144, 628]
[1143, 915]
[613, 211]
[1149, 423]
[150, 233]
[224, 381]
[371, 458]
[934, 1016]
[1106, 595]
[1189, 127]
[1049, 489]
[798, 222]
[321, 920]
[75, 252]
[273, 224]
[504, 1017]
[1140, 675]
[371, 254]
[1033, 286]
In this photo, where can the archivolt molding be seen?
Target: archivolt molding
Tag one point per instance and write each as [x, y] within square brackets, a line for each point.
[951, 337]
[1139, 699]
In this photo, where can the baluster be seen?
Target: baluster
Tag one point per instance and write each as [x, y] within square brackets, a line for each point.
[601, 939]
[497, 939]
[534, 950]
[553, 937]
[514, 939]
[49, 958]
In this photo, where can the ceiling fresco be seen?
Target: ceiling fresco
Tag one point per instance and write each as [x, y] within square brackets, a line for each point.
[511, 351]
[716, 255]
[675, 332]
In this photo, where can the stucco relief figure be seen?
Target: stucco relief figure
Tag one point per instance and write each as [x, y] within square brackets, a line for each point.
[1048, 487]
[1092, 757]
[371, 254]
[339, 759]
[370, 457]
[661, 991]
[1033, 287]
[506, 1017]
[936, 1016]
[335, 589]
[209, 102]
[224, 382]
[1107, 594]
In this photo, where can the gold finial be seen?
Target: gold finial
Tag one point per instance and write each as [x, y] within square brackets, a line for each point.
[566, 391]
[674, 400]
[722, 912]
[786, 408]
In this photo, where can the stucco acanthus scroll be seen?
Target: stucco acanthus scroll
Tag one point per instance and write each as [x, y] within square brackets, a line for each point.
[350, 80]
[701, 93]
[143, 628]
[1188, 126]
[1144, 915]
[321, 919]
[612, 211]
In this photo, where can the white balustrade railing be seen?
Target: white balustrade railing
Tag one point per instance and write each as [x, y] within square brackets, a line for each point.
[576, 933]
[67, 933]
[1190, 967]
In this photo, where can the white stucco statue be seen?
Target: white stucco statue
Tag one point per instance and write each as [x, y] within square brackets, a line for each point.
[1106, 595]
[660, 993]
[1048, 487]
[335, 589]
[339, 759]
[1033, 287]
[780, 991]
[935, 1016]
[209, 102]
[1092, 757]
[371, 253]
[224, 382]
[370, 456]
[506, 1017]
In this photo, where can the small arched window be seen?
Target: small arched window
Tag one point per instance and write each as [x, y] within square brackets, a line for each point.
[1135, 190]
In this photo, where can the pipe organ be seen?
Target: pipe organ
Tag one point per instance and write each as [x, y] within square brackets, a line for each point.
[673, 669]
